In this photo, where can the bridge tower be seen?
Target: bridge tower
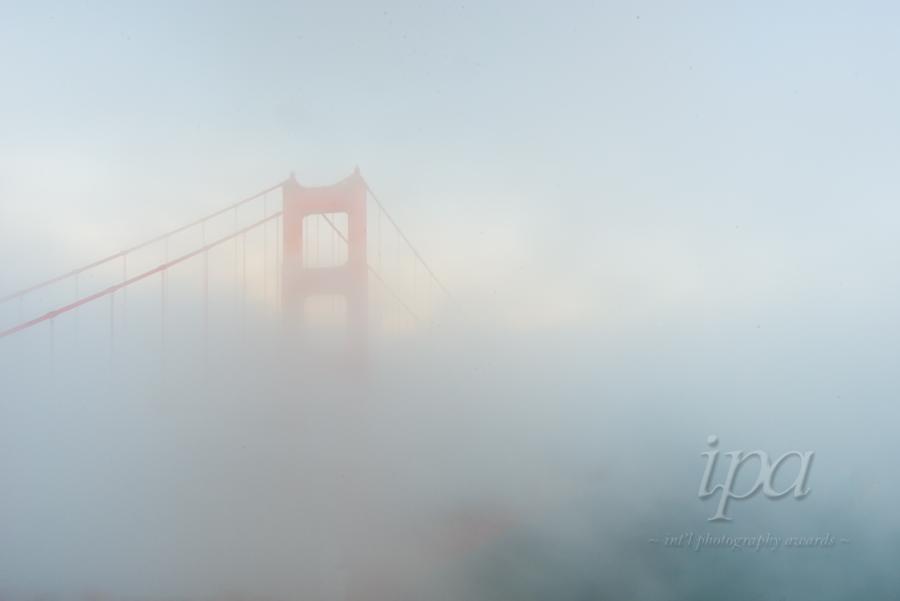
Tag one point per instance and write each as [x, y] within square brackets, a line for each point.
[351, 279]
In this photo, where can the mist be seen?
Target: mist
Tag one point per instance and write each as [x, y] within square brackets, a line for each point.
[638, 227]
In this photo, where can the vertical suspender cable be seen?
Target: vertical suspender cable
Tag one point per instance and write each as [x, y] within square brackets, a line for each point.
[278, 274]
[265, 255]
[52, 347]
[112, 326]
[333, 263]
[235, 265]
[162, 319]
[243, 277]
[205, 303]
[78, 310]
[205, 296]
[124, 290]
[378, 246]
[163, 297]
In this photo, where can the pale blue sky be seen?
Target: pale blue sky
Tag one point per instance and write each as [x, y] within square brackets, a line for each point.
[608, 149]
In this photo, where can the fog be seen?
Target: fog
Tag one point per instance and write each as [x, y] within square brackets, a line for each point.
[459, 463]
[656, 224]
